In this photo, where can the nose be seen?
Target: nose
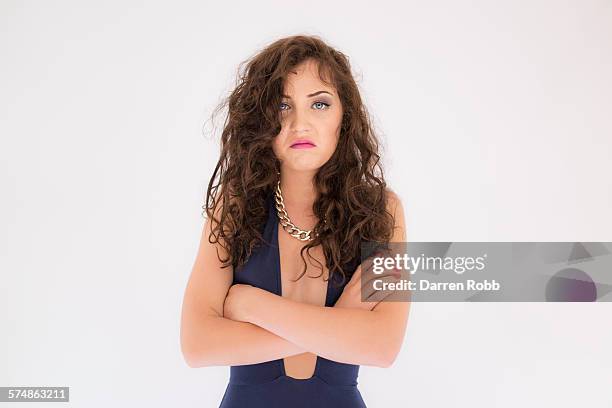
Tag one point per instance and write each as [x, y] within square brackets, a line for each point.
[299, 121]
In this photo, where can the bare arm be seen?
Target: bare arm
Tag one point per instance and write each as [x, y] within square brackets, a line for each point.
[348, 335]
[208, 338]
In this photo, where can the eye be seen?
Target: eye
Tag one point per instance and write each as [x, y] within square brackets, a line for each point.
[321, 103]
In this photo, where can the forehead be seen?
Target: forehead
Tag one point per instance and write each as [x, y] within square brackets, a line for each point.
[304, 78]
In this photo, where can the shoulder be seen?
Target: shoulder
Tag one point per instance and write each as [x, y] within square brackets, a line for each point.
[394, 202]
[396, 209]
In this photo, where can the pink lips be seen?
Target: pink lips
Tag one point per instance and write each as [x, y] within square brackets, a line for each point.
[302, 144]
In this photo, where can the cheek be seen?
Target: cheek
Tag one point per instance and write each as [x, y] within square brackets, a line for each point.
[330, 142]
[276, 145]
[333, 129]
[335, 123]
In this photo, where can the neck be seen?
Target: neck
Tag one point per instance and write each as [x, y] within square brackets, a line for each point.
[298, 190]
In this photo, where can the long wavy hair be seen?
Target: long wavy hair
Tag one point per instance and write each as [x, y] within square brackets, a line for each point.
[350, 185]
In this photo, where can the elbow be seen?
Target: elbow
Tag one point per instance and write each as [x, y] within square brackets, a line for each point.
[386, 354]
[387, 359]
[190, 360]
[188, 351]
[190, 356]
[198, 346]
[196, 358]
[388, 347]
[193, 362]
[196, 353]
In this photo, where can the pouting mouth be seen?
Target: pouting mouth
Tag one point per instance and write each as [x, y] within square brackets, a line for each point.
[302, 142]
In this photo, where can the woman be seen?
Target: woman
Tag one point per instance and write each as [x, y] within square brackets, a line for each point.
[296, 193]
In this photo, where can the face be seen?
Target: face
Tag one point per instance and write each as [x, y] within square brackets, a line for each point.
[311, 112]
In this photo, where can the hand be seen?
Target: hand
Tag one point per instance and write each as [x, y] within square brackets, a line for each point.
[238, 302]
[363, 281]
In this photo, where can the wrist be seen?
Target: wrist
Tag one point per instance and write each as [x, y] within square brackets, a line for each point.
[258, 302]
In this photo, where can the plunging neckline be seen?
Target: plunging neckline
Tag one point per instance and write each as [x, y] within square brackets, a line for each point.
[279, 291]
[275, 244]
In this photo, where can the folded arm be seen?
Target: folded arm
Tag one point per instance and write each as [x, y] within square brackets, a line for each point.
[209, 339]
[347, 335]
[352, 336]
[279, 327]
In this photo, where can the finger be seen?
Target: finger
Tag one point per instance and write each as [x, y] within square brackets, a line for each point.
[368, 304]
[367, 269]
[369, 279]
[378, 296]
[370, 290]
[368, 260]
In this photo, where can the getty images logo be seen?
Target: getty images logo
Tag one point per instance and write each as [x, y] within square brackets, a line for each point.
[459, 264]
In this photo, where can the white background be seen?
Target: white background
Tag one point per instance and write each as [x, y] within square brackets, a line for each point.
[495, 121]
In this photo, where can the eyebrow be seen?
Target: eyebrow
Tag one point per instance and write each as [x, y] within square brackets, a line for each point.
[309, 95]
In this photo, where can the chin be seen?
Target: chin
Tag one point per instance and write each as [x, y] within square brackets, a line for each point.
[306, 167]
[306, 163]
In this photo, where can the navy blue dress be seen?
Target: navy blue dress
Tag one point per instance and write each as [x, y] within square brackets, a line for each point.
[266, 384]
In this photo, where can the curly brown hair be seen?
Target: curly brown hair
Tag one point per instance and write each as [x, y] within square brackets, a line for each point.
[350, 185]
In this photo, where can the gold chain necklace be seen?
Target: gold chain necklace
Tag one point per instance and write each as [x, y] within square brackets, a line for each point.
[302, 235]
